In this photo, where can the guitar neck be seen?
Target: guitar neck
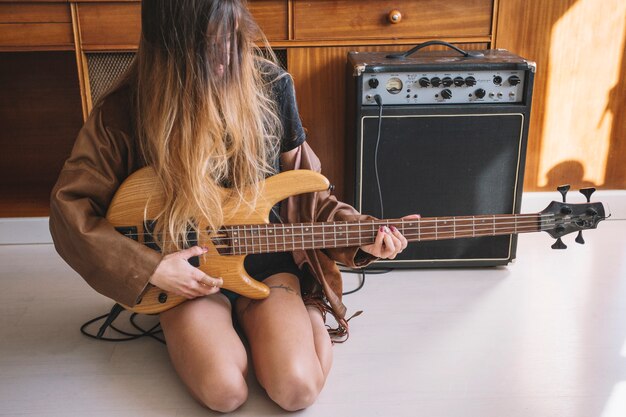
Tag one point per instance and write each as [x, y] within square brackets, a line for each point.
[276, 237]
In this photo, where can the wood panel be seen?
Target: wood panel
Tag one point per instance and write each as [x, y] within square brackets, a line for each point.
[109, 26]
[106, 26]
[40, 115]
[346, 19]
[34, 13]
[320, 82]
[29, 26]
[272, 16]
[579, 105]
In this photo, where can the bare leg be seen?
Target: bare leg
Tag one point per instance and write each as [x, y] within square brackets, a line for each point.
[206, 351]
[290, 346]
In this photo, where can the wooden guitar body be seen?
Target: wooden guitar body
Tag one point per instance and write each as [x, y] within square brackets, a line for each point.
[140, 198]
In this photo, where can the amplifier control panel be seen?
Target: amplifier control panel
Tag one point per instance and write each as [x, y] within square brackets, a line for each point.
[444, 87]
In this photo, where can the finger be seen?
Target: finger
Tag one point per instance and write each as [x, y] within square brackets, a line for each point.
[400, 237]
[210, 281]
[191, 252]
[378, 242]
[389, 246]
[203, 289]
[412, 216]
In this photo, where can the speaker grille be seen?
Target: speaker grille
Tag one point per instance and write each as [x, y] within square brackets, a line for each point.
[453, 163]
[106, 67]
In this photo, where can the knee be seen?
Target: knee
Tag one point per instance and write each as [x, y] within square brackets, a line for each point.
[223, 396]
[295, 391]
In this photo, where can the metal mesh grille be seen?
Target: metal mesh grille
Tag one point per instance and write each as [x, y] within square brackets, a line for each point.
[106, 68]
[281, 56]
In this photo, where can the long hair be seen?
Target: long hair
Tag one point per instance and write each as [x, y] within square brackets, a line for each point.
[204, 110]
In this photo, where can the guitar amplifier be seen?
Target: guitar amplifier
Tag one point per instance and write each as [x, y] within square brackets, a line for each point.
[439, 133]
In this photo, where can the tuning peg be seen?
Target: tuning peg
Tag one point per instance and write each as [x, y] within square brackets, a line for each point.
[587, 192]
[563, 189]
[559, 244]
[579, 238]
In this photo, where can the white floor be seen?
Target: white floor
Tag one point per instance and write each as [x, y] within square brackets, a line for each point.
[543, 337]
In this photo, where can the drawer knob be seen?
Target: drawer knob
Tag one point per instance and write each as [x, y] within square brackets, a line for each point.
[394, 16]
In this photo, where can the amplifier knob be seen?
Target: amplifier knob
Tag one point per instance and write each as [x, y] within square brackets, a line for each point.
[480, 93]
[459, 81]
[446, 94]
[435, 81]
[470, 81]
[497, 80]
[447, 81]
[424, 82]
[373, 82]
[514, 80]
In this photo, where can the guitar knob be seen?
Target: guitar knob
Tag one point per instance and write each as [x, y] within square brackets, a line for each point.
[579, 238]
[563, 189]
[587, 192]
[559, 244]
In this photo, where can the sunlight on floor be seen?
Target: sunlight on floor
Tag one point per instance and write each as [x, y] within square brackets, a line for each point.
[616, 406]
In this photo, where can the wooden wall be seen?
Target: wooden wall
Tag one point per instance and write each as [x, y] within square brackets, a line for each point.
[578, 123]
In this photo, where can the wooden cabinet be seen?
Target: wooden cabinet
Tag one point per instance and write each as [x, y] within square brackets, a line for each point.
[109, 26]
[35, 26]
[117, 26]
[315, 35]
[391, 19]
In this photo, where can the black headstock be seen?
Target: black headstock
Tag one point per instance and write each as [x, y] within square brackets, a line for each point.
[562, 218]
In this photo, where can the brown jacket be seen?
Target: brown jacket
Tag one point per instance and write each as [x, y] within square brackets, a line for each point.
[105, 153]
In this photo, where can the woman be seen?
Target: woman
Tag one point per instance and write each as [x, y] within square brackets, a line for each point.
[205, 111]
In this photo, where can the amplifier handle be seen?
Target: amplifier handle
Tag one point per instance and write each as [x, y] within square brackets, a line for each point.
[403, 55]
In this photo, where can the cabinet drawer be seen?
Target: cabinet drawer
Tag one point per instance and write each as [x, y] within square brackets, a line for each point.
[272, 17]
[119, 24]
[352, 19]
[35, 13]
[109, 25]
[28, 25]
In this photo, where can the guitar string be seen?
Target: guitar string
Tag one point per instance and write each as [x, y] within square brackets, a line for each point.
[246, 229]
[424, 236]
[527, 218]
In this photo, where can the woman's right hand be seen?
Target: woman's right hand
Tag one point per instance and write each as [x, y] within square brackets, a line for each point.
[175, 274]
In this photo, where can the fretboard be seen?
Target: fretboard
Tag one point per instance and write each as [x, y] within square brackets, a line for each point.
[276, 237]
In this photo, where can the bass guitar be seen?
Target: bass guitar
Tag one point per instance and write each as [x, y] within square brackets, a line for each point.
[248, 230]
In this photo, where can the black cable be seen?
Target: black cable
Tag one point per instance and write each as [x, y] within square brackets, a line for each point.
[362, 272]
[379, 101]
[152, 332]
[361, 283]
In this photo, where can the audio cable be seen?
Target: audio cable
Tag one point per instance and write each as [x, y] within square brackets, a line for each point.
[379, 101]
[361, 272]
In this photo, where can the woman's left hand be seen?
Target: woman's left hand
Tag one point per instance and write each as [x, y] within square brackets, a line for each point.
[389, 241]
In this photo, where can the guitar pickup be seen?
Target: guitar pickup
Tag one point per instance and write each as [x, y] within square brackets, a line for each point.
[222, 242]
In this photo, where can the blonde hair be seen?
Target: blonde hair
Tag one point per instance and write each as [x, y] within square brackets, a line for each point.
[204, 110]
